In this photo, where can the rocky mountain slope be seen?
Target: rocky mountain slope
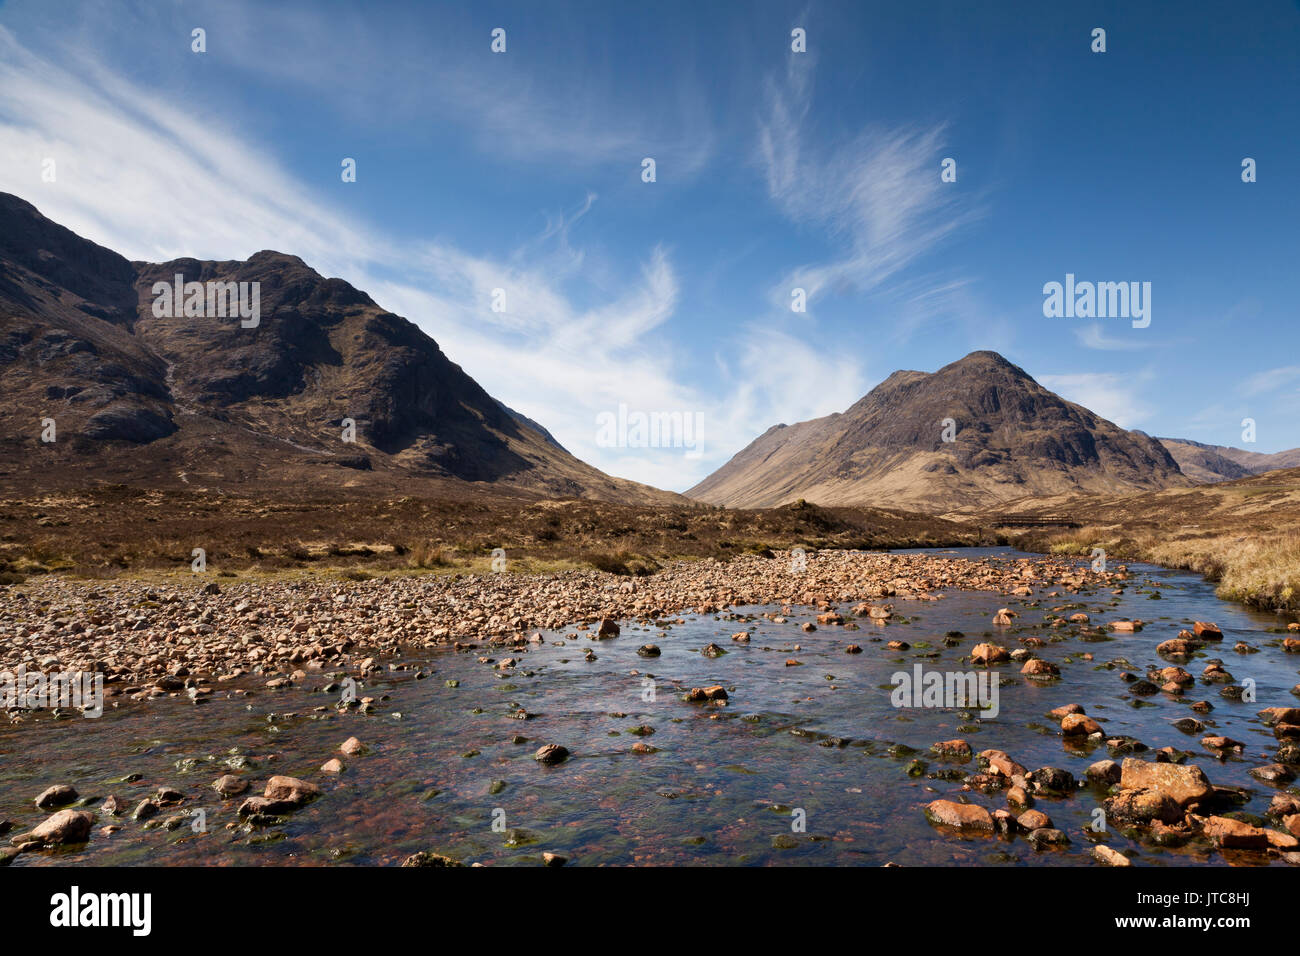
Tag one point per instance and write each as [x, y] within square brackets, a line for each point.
[1207, 463]
[1011, 439]
[213, 402]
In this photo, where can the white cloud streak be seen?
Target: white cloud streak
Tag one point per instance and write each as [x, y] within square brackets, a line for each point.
[879, 194]
[154, 183]
[1111, 395]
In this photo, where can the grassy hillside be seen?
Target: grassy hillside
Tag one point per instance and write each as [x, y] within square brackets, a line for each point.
[1243, 534]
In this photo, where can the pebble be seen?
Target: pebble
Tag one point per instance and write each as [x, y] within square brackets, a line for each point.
[550, 754]
[56, 796]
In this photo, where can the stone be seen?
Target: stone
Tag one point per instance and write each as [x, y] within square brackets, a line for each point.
[333, 765]
[957, 748]
[962, 816]
[56, 796]
[699, 694]
[426, 858]
[1037, 667]
[1033, 820]
[290, 790]
[1280, 715]
[1000, 764]
[1141, 807]
[1104, 854]
[1046, 837]
[65, 826]
[1273, 773]
[261, 806]
[1105, 772]
[229, 785]
[1079, 725]
[1051, 780]
[1184, 784]
[1233, 834]
[1174, 647]
[1281, 841]
[351, 747]
[608, 628]
[113, 806]
[550, 754]
[1060, 713]
[989, 654]
[1171, 675]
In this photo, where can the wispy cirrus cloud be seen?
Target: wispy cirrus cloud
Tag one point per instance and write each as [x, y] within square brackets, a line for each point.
[1093, 336]
[152, 181]
[577, 338]
[549, 98]
[878, 196]
[1271, 380]
[1112, 395]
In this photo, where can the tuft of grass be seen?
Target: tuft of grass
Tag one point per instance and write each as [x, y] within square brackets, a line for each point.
[621, 563]
[1263, 572]
[429, 555]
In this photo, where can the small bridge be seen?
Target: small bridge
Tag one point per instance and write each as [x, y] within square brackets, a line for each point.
[1034, 521]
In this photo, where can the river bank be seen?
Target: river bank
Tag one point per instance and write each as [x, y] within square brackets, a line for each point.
[1243, 535]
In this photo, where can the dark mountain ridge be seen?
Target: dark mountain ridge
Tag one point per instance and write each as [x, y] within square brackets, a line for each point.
[160, 399]
[1011, 438]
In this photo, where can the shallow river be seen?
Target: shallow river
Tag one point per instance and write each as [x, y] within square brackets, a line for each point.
[725, 784]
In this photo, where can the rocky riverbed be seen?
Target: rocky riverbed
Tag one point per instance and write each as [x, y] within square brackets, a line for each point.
[734, 712]
[160, 639]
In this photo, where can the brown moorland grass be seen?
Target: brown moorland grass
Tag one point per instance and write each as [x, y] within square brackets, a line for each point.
[1244, 534]
[120, 530]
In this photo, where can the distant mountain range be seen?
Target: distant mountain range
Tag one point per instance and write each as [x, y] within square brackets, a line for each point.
[175, 400]
[1209, 463]
[1010, 439]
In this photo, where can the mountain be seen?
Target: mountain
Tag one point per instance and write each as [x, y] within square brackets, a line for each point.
[525, 420]
[1208, 463]
[225, 402]
[1012, 439]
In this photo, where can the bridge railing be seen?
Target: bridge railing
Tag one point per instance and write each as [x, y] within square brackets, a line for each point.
[1034, 521]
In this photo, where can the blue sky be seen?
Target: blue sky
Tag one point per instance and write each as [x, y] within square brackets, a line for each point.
[775, 170]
